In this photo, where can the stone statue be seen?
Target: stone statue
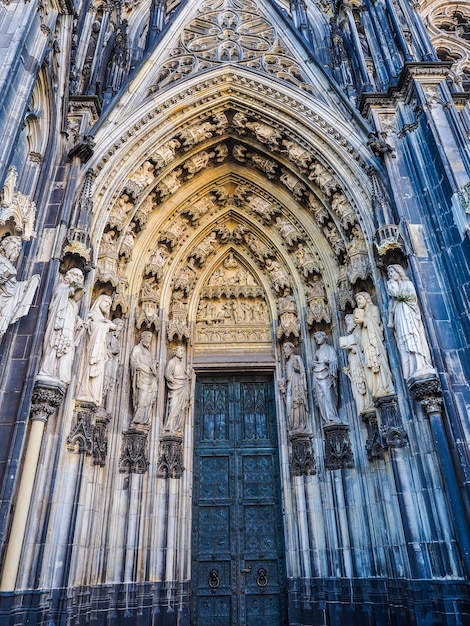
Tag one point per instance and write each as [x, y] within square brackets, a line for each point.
[177, 381]
[15, 296]
[111, 371]
[376, 368]
[96, 351]
[325, 374]
[405, 319]
[63, 326]
[294, 390]
[144, 380]
[356, 368]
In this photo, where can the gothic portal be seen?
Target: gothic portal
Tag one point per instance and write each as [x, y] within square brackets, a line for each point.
[234, 325]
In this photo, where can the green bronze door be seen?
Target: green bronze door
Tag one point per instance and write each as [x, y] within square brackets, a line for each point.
[238, 567]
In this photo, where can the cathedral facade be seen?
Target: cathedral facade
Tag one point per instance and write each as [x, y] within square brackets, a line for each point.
[234, 312]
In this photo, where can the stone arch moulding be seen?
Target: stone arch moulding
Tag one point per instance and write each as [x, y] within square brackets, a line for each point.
[127, 137]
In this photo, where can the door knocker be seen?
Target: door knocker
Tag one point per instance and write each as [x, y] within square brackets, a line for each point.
[262, 579]
[214, 581]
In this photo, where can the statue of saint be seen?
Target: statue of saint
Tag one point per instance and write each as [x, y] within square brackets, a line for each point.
[177, 381]
[111, 371]
[96, 351]
[144, 380]
[356, 368]
[405, 319]
[376, 368]
[325, 374]
[294, 390]
[63, 326]
[15, 296]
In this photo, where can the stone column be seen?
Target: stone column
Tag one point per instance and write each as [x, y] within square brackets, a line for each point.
[47, 396]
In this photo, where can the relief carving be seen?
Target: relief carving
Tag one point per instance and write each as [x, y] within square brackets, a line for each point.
[232, 307]
[140, 179]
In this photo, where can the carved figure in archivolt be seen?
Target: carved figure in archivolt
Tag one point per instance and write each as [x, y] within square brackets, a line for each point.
[294, 390]
[205, 248]
[98, 325]
[119, 212]
[144, 372]
[288, 231]
[288, 320]
[16, 296]
[174, 232]
[325, 377]
[376, 367]
[157, 262]
[405, 319]
[177, 382]
[356, 366]
[186, 277]
[279, 277]
[343, 209]
[166, 153]
[62, 329]
[306, 261]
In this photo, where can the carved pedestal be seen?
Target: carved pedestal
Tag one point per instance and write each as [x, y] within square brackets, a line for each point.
[392, 433]
[427, 391]
[80, 438]
[374, 446]
[338, 451]
[302, 462]
[133, 459]
[170, 460]
[47, 397]
[100, 441]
